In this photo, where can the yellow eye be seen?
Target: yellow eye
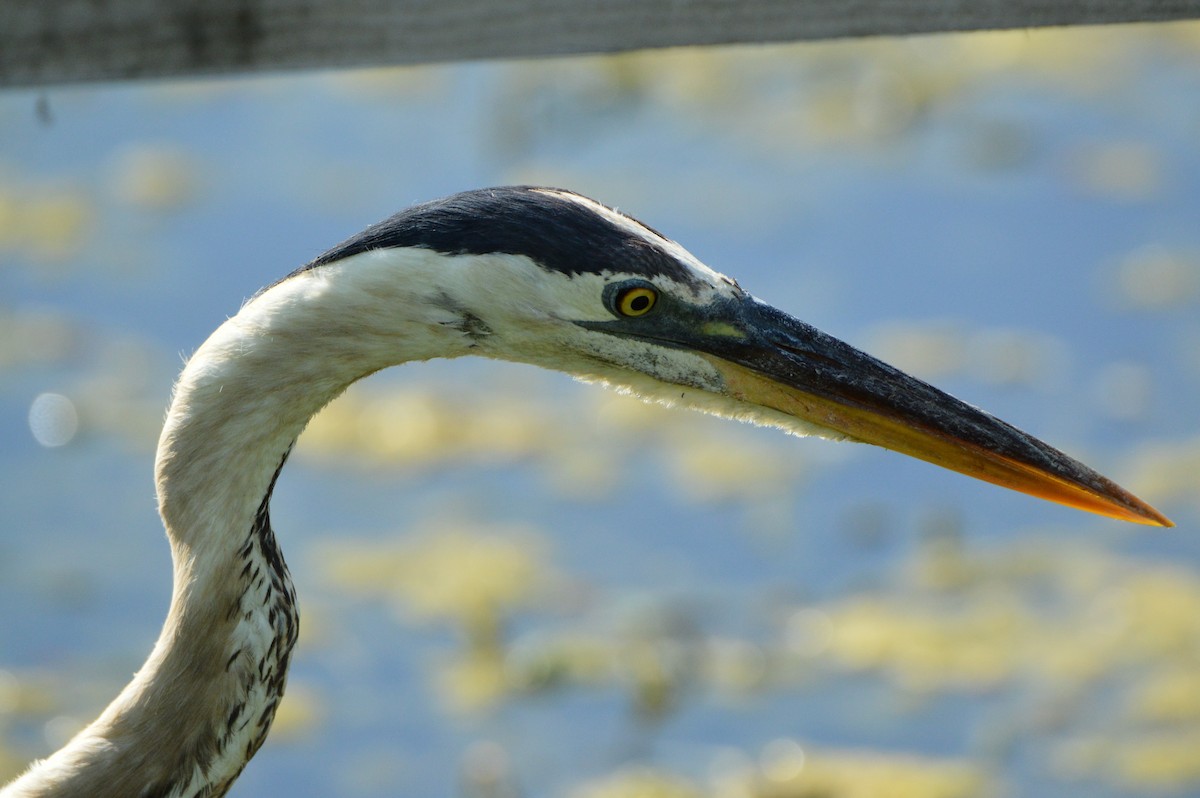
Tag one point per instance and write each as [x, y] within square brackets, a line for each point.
[636, 300]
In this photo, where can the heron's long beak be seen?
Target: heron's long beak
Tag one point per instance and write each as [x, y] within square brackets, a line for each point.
[770, 359]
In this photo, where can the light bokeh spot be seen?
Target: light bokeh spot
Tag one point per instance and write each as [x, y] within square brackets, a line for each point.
[53, 419]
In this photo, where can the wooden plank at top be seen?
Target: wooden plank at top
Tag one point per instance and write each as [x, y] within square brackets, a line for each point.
[61, 41]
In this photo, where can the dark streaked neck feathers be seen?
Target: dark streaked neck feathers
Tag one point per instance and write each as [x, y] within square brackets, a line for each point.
[203, 702]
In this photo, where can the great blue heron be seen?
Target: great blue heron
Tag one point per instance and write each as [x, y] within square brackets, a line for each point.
[537, 275]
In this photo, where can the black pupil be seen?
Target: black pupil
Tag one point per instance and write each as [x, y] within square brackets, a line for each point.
[639, 303]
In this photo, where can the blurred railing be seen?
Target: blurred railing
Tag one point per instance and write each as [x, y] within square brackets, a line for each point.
[61, 41]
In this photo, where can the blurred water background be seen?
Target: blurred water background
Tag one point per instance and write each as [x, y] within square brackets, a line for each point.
[514, 585]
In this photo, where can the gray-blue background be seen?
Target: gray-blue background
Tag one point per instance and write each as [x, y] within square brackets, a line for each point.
[1014, 216]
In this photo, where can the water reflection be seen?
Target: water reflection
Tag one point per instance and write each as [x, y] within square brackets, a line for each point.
[658, 604]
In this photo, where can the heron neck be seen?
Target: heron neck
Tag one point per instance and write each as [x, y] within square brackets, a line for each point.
[202, 704]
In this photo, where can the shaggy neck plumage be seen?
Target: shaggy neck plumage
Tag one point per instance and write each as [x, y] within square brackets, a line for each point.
[203, 702]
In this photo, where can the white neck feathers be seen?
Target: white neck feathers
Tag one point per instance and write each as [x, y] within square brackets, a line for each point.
[201, 705]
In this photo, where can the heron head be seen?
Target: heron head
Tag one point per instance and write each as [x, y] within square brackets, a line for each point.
[552, 278]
